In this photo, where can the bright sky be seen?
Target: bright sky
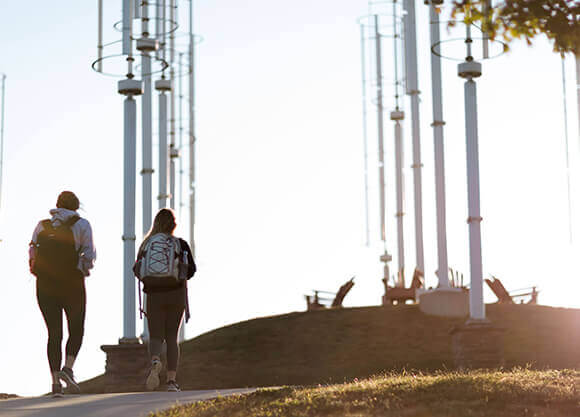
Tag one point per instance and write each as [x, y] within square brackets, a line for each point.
[280, 169]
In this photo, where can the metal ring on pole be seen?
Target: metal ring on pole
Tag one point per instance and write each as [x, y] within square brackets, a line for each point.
[117, 26]
[436, 48]
[163, 63]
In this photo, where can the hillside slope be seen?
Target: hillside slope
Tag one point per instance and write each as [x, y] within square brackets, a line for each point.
[337, 345]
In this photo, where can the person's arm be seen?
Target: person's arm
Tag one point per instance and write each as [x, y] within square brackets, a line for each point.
[191, 267]
[87, 252]
[32, 247]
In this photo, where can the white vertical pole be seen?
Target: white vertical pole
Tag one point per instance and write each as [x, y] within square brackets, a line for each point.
[578, 87]
[100, 36]
[180, 145]
[159, 26]
[379, 99]
[438, 123]
[2, 110]
[147, 129]
[470, 70]
[130, 166]
[127, 26]
[413, 92]
[397, 116]
[400, 197]
[173, 153]
[163, 150]
[385, 257]
[565, 107]
[192, 137]
[365, 133]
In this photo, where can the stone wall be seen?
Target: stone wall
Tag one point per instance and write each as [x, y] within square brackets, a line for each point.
[126, 368]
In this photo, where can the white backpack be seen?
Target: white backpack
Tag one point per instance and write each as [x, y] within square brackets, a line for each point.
[160, 260]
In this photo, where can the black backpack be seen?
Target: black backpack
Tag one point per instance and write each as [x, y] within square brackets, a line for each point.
[56, 254]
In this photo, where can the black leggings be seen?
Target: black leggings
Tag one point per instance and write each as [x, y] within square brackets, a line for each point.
[71, 300]
[164, 315]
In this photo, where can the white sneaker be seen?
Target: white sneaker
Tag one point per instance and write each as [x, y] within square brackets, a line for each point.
[153, 377]
[172, 386]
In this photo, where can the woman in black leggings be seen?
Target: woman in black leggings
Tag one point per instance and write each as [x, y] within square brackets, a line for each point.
[61, 256]
[165, 308]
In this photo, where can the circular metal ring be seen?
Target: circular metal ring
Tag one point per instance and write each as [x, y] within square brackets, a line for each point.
[164, 65]
[462, 40]
[173, 28]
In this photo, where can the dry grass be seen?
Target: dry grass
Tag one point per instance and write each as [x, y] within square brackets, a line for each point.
[333, 346]
[521, 392]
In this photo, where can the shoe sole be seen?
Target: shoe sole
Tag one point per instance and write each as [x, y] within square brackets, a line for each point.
[173, 390]
[57, 395]
[70, 383]
[153, 377]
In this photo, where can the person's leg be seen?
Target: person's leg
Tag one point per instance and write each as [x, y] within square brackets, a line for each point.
[52, 314]
[172, 324]
[156, 323]
[74, 307]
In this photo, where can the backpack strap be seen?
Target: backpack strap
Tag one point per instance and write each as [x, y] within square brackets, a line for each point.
[71, 221]
[47, 224]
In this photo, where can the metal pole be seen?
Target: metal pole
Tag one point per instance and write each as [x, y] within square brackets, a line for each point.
[397, 116]
[385, 257]
[129, 88]
[567, 146]
[438, 123]
[470, 70]
[173, 153]
[100, 36]
[127, 26]
[365, 133]
[413, 92]
[180, 134]
[192, 137]
[400, 197]
[163, 148]
[578, 88]
[2, 135]
[130, 165]
[380, 129]
[147, 128]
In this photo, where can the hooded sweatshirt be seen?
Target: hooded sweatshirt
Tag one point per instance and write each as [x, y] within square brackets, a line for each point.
[82, 233]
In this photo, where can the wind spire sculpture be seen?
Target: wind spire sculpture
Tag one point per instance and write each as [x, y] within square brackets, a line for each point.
[382, 23]
[154, 50]
[129, 88]
[413, 93]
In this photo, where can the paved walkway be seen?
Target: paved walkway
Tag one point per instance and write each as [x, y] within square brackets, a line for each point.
[137, 404]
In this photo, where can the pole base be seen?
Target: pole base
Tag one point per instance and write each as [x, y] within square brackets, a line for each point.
[478, 344]
[126, 367]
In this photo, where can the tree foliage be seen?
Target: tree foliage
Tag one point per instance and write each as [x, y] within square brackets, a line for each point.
[559, 20]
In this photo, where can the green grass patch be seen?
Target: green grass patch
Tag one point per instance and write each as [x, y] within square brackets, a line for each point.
[521, 392]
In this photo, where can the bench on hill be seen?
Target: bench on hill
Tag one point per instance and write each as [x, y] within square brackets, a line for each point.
[400, 295]
[316, 302]
[505, 297]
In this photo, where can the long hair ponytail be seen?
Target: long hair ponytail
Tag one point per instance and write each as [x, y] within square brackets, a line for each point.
[164, 222]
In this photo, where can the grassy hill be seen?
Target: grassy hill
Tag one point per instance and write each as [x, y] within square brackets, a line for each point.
[333, 346]
[517, 393]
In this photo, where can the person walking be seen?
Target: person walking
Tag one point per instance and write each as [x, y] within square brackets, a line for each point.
[61, 254]
[164, 264]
